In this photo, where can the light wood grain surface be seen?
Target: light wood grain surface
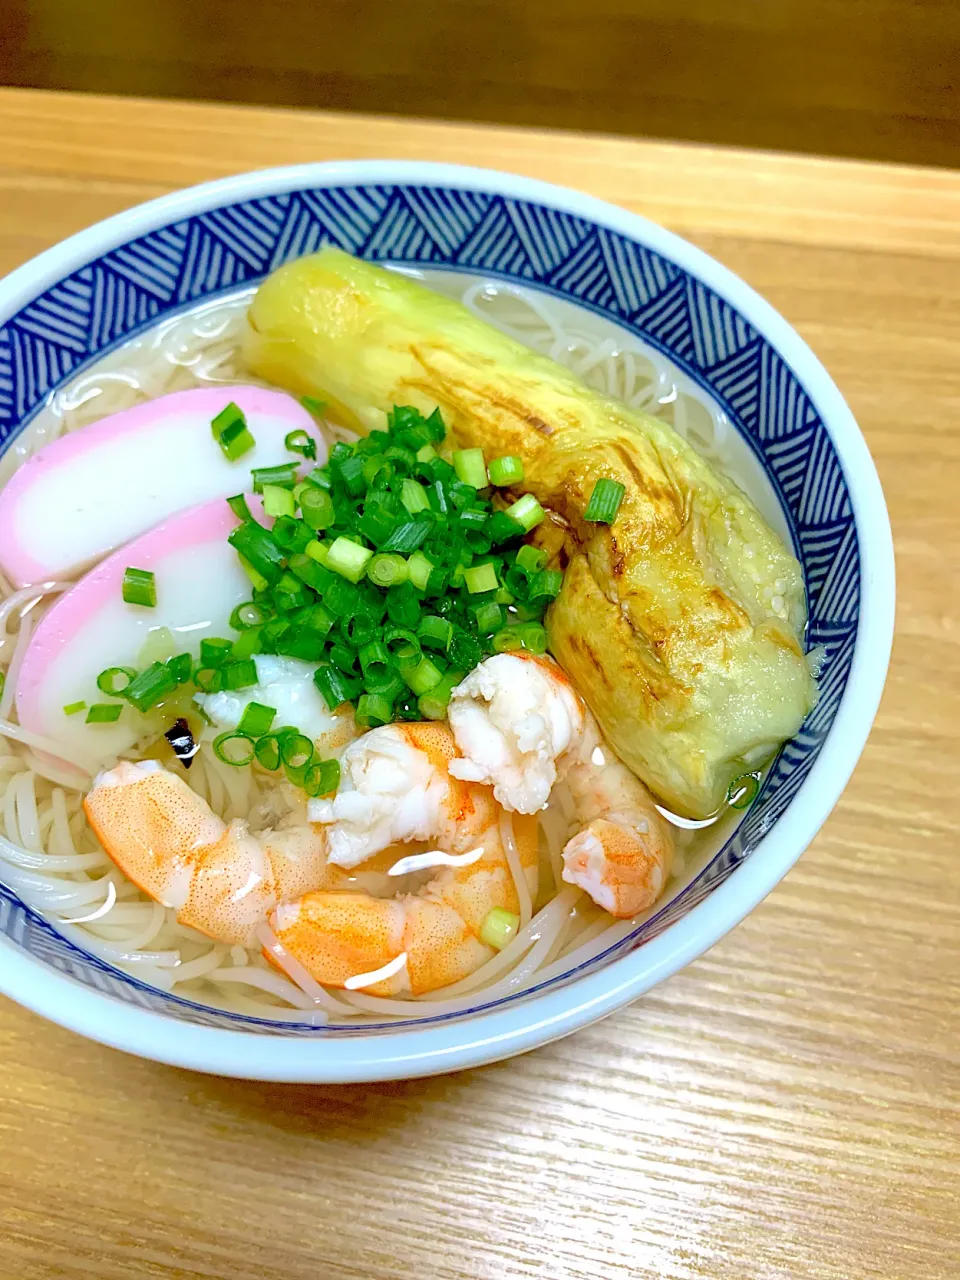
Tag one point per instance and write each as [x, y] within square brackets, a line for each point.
[785, 1107]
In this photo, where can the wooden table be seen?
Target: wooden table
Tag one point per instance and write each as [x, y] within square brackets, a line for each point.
[785, 1107]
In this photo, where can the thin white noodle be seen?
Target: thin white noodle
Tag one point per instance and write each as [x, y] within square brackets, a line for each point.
[296, 972]
[13, 671]
[516, 867]
[265, 981]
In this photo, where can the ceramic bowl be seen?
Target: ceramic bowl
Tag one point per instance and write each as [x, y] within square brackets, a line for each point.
[79, 300]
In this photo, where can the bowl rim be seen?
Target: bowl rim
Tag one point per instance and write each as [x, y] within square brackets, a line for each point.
[524, 1025]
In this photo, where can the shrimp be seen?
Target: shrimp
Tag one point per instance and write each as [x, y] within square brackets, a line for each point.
[220, 879]
[397, 785]
[520, 725]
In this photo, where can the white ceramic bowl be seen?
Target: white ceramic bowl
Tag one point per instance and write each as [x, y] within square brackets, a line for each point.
[72, 304]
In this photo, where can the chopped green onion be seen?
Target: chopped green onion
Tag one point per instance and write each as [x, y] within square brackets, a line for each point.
[403, 646]
[180, 667]
[257, 579]
[317, 550]
[256, 719]
[407, 537]
[374, 709]
[387, 570]
[507, 640]
[103, 712]
[533, 637]
[316, 618]
[335, 687]
[499, 926]
[71, 708]
[423, 677]
[604, 501]
[488, 617]
[247, 643]
[278, 501]
[151, 686]
[267, 751]
[322, 778]
[296, 749]
[470, 467]
[481, 577]
[140, 587]
[375, 659]
[435, 632]
[426, 453]
[546, 584]
[527, 512]
[313, 405]
[743, 791]
[316, 507]
[284, 474]
[464, 651]
[433, 705]
[231, 432]
[348, 559]
[290, 534]
[247, 615]
[531, 559]
[238, 505]
[257, 546]
[114, 680]
[506, 471]
[413, 496]
[403, 607]
[238, 675]
[234, 748]
[301, 442]
[214, 651]
[419, 568]
[208, 679]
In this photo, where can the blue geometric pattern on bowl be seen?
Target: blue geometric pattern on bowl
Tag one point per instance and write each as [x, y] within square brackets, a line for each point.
[109, 300]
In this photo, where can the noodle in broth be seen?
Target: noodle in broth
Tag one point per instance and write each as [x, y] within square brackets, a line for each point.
[49, 856]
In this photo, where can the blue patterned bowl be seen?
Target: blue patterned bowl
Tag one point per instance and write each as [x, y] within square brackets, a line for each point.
[72, 304]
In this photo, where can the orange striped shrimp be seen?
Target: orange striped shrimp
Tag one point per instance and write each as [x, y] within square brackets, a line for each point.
[220, 879]
[396, 786]
[519, 725]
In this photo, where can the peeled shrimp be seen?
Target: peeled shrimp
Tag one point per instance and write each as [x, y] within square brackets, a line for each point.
[221, 880]
[397, 785]
[520, 725]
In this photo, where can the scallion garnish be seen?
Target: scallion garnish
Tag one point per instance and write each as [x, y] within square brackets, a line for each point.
[114, 680]
[71, 708]
[284, 475]
[150, 686]
[313, 405]
[743, 791]
[256, 719]
[234, 748]
[322, 778]
[499, 926]
[527, 512]
[301, 442]
[277, 501]
[348, 559]
[214, 651]
[604, 501]
[238, 505]
[139, 587]
[231, 432]
[470, 467]
[481, 577]
[506, 471]
[103, 713]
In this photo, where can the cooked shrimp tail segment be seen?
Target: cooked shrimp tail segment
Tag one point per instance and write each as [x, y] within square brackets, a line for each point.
[396, 786]
[520, 725]
[220, 879]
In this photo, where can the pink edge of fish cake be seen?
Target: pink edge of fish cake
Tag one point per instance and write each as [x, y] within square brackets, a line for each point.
[212, 522]
[19, 561]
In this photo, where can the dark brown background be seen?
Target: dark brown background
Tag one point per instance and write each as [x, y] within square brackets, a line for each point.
[870, 78]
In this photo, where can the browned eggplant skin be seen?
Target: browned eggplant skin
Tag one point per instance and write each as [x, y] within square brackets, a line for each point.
[680, 622]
